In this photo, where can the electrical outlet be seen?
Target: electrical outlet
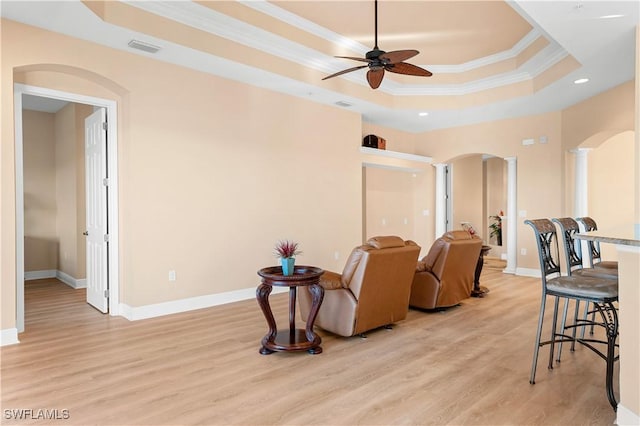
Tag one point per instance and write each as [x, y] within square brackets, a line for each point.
[172, 275]
[523, 251]
[384, 222]
[336, 255]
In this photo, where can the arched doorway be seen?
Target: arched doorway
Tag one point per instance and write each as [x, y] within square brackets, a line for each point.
[481, 194]
[51, 73]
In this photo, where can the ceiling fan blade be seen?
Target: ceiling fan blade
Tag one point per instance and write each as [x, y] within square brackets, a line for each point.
[354, 58]
[345, 71]
[398, 56]
[405, 68]
[374, 77]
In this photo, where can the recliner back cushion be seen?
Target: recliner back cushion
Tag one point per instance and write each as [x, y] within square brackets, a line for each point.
[435, 259]
[381, 265]
[386, 242]
[382, 285]
[352, 264]
[457, 277]
[458, 234]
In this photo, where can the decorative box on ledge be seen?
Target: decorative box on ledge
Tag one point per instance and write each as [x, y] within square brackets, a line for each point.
[373, 141]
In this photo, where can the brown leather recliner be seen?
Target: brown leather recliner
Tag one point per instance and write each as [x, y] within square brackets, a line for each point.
[372, 291]
[444, 277]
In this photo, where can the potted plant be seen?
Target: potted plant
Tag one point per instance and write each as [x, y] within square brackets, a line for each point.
[287, 250]
[496, 227]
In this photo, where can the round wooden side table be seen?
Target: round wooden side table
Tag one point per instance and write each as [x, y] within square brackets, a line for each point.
[292, 339]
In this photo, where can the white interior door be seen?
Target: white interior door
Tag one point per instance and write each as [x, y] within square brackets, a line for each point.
[97, 233]
[448, 193]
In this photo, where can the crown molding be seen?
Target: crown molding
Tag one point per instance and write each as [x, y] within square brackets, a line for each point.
[219, 24]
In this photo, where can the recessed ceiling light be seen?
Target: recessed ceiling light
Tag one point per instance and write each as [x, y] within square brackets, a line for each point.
[423, 114]
[343, 104]
[611, 16]
[581, 80]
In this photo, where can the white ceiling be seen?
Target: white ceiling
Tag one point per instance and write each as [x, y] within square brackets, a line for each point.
[598, 34]
[37, 103]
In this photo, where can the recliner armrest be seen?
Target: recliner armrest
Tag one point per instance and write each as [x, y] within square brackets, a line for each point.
[331, 280]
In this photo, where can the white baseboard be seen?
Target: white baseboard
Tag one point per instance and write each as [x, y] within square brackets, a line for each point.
[71, 281]
[626, 417]
[38, 275]
[9, 337]
[134, 313]
[53, 273]
[528, 272]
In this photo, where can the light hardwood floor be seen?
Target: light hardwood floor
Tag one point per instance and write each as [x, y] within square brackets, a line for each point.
[467, 365]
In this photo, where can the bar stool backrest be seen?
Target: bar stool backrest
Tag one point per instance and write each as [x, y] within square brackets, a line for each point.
[594, 246]
[572, 249]
[548, 252]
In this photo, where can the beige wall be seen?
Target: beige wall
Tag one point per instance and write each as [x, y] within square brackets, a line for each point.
[593, 121]
[604, 124]
[212, 172]
[54, 190]
[197, 189]
[70, 219]
[539, 167]
[41, 239]
[611, 174]
[397, 140]
[407, 182]
[467, 193]
[395, 203]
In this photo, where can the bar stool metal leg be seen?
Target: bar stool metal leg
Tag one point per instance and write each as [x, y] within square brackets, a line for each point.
[532, 378]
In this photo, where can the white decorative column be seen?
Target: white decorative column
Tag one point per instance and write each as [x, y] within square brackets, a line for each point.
[512, 216]
[581, 192]
[581, 196]
[441, 211]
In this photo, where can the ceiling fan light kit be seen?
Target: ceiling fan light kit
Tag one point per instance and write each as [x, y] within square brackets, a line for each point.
[378, 61]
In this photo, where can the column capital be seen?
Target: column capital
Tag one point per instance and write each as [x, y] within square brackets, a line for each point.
[580, 151]
[439, 165]
[510, 159]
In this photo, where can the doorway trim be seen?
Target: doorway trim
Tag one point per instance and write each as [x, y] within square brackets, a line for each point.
[112, 197]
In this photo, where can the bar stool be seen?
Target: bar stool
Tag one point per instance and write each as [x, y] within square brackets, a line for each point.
[574, 264]
[601, 292]
[573, 252]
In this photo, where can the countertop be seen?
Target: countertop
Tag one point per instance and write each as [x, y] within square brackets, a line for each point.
[628, 235]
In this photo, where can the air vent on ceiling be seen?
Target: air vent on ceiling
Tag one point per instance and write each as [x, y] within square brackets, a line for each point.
[141, 45]
[343, 104]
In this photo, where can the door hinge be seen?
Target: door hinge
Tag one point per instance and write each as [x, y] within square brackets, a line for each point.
[106, 294]
[104, 126]
[105, 181]
[106, 238]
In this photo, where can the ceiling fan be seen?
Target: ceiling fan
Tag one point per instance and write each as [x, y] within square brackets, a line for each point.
[378, 61]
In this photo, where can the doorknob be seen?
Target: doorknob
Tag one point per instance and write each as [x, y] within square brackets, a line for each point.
[85, 233]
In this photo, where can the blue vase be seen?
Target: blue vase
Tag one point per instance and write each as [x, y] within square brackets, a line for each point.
[288, 265]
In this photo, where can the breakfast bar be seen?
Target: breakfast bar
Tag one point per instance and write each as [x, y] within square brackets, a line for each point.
[627, 241]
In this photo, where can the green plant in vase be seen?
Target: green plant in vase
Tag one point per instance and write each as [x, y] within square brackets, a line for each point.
[287, 251]
[496, 227]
